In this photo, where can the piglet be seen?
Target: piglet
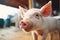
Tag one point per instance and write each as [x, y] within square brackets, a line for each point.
[38, 21]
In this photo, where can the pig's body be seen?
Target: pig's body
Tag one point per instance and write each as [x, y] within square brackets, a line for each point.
[51, 24]
[37, 20]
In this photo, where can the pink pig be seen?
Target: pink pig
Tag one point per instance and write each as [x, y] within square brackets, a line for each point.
[38, 21]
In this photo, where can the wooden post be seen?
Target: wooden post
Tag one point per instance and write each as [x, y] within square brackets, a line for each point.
[30, 4]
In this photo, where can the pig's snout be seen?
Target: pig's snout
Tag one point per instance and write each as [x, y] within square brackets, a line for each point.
[27, 26]
[23, 24]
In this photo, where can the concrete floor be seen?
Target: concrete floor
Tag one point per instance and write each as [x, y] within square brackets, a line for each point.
[14, 34]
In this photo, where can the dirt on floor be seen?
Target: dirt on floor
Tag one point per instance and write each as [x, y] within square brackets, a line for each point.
[14, 33]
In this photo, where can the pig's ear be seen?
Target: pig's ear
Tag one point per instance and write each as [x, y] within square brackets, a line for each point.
[46, 9]
[22, 11]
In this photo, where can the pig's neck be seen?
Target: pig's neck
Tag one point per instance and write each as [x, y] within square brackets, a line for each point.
[46, 22]
[49, 23]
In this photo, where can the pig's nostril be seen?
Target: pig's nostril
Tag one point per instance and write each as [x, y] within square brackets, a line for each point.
[23, 23]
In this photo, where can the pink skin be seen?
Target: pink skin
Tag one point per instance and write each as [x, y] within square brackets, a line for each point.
[24, 24]
[28, 25]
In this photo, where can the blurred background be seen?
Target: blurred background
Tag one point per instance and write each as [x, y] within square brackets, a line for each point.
[10, 14]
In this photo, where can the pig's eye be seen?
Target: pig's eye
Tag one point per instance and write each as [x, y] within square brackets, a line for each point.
[37, 15]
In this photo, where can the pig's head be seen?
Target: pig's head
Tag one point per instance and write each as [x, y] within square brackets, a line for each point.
[32, 19]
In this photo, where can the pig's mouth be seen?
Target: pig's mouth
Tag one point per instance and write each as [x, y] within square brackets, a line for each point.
[26, 27]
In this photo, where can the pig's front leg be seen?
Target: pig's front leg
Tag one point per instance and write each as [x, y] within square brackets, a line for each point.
[45, 35]
[34, 35]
